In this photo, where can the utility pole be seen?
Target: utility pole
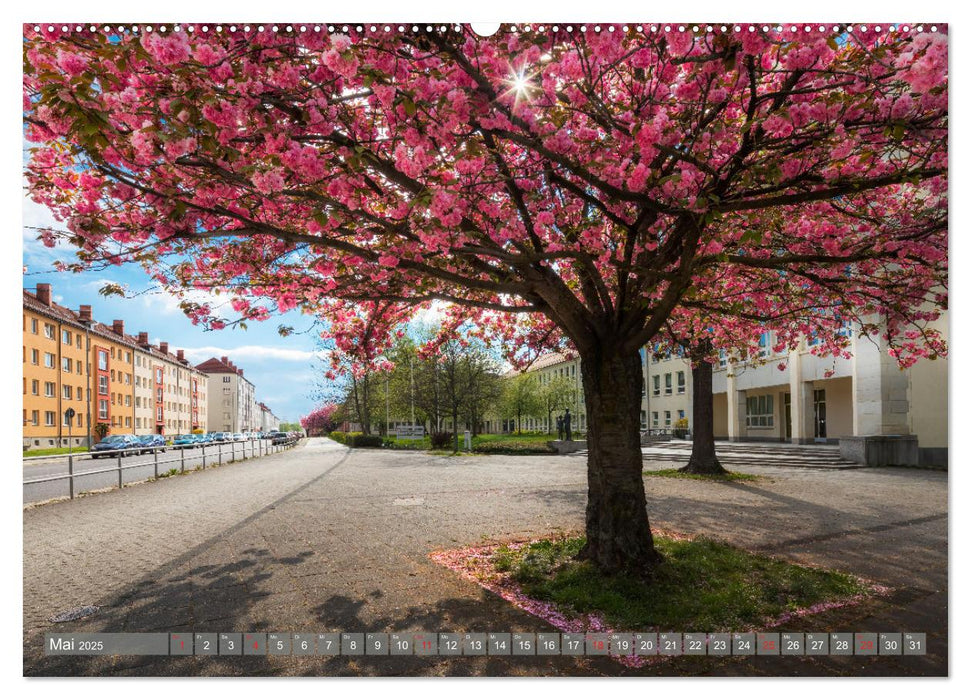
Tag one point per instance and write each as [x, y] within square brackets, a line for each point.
[412, 363]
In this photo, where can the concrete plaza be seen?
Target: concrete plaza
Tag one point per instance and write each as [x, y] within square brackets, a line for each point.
[322, 538]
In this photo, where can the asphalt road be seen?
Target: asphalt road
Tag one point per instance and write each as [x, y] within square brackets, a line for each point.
[321, 538]
[135, 468]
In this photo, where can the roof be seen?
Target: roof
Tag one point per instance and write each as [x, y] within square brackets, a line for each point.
[542, 362]
[66, 315]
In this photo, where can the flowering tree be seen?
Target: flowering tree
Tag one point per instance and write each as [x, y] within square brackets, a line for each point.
[321, 420]
[590, 181]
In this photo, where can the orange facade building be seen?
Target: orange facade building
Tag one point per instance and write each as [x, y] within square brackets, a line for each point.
[73, 362]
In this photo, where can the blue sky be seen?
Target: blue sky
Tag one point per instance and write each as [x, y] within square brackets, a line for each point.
[286, 371]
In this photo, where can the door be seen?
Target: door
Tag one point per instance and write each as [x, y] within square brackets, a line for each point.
[787, 402]
[819, 413]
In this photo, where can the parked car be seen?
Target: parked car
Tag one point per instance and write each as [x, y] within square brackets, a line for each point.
[221, 437]
[205, 439]
[183, 441]
[114, 445]
[279, 438]
[237, 437]
[151, 441]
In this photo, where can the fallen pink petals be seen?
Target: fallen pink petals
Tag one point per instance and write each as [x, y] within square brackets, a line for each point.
[475, 564]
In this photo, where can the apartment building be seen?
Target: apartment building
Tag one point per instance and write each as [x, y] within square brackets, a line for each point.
[232, 402]
[268, 421]
[107, 376]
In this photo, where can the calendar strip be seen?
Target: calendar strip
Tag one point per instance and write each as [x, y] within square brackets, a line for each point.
[376, 644]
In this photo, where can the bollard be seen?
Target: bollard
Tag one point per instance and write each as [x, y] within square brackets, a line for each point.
[203, 456]
[70, 474]
[182, 457]
[233, 447]
[120, 452]
[155, 454]
[220, 445]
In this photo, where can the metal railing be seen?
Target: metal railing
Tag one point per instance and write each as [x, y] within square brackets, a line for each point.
[257, 448]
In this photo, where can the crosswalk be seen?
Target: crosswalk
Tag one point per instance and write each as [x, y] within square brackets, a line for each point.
[734, 455]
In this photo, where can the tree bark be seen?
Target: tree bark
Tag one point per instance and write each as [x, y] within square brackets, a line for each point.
[618, 533]
[703, 459]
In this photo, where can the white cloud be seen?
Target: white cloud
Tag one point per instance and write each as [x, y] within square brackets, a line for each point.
[253, 352]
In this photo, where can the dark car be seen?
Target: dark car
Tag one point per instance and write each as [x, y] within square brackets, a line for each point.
[278, 437]
[113, 445]
[150, 441]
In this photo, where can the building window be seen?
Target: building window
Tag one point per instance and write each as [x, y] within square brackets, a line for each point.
[667, 384]
[103, 385]
[102, 360]
[35, 387]
[66, 337]
[654, 418]
[158, 414]
[49, 418]
[67, 390]
[759, 411]
[680, 414]
[102, 409]
[66, 364]
[158, 375]
[49, 389]
[79, 341]
[680, 382]
[35, 417]
[78, 367]
[643, 420]
[667, 419]
[33, 329]
[765, 344]
[128, 399]
[158, 396]
[49, 360]
[657, 384]
[35, 357]
[49, 333]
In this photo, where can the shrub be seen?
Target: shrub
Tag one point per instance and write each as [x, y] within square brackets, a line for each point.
[338, 436]
[441, 441]
[362, 440]
[513, 447]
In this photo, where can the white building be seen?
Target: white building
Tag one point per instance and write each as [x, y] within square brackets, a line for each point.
[231, 397]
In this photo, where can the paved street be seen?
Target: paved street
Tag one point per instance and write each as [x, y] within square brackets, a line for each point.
[93, 474]
[321, 538]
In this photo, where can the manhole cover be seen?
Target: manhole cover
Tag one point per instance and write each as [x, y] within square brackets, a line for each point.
[75, 613]
[409, 501]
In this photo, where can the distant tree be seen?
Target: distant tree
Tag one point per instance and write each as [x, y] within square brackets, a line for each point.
[321, 420]
[521, 397]
[556, 394]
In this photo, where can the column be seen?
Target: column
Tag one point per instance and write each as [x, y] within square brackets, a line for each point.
[736, 409]
[800, 402]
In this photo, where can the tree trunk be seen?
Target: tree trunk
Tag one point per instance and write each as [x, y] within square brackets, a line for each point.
[618, 533]
[703, 459]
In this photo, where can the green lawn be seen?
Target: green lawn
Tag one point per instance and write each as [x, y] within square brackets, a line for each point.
[511, 443]
[54, 451]
[701, 585]
[678, 474]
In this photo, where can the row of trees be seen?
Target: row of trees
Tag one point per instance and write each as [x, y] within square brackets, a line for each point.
[458, 382]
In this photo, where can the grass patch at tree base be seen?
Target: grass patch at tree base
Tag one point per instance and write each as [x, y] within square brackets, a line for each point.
[678, 474]
[701, 585]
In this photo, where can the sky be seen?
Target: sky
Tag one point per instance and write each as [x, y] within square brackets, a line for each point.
[285, 371]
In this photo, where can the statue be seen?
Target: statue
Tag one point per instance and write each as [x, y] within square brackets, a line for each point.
[566, 425]
[559, 427]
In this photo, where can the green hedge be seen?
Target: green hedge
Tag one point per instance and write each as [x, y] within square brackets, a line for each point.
[514, 447]
[356, 439]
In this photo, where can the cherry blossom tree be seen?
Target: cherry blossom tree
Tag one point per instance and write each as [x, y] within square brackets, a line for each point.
[321, 420]
[581, 184]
